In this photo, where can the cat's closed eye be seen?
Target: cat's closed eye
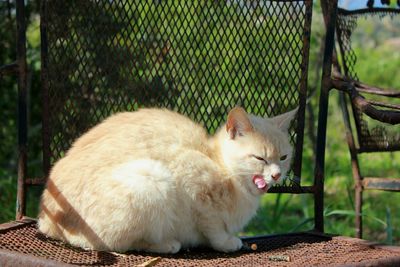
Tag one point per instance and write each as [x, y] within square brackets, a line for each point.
[260, 158]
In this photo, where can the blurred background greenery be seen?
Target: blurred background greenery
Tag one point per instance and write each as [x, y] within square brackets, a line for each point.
[279, 212]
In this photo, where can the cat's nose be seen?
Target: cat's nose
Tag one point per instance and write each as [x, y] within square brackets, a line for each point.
[276, 176]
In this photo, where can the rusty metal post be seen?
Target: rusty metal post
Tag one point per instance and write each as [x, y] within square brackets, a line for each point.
[354, 165]
[353, 154]
[322, 117]
[22, 108]
[358, 203]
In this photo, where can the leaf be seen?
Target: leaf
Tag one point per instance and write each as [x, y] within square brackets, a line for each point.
[302, 223]
[340, 212]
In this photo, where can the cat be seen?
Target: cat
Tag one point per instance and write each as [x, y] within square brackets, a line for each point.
[153, 180]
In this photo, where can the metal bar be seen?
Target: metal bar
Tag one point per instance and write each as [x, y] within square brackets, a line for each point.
[324, 237]
[11, 258]
[342, 11]
[292, 190]
[35, 181]
[303, 91]
[388, 116]
[322, 116]
[358, 209]
[386, 184]
[353, 156]
[4, 227]
[391, 148]
[346, 72]
[22, 108]
[354, 165]
[9, 69]
[310, 110]
[384, 105]
[45, 90]
[364, 88]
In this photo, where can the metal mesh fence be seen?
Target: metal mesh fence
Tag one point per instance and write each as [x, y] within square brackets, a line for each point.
[200, 58]
[372, 136]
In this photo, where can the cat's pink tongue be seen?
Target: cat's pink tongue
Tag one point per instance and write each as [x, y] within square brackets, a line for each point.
[259, 181]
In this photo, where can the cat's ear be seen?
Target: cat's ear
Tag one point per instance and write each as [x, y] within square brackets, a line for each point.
[238, 122]
[283, 120]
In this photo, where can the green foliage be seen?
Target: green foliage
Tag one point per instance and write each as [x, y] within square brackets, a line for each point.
[8, 189]
[8, 130]
[8, 98]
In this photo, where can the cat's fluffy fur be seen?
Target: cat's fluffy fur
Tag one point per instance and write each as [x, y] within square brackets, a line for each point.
[153, 180]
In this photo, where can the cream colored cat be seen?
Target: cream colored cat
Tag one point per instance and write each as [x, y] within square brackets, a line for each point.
[153, 180]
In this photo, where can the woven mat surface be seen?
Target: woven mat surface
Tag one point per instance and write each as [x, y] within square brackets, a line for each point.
[289, 250]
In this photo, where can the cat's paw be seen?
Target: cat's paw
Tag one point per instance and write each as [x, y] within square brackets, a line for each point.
[169, 247]
[175, 246]
[232, 244]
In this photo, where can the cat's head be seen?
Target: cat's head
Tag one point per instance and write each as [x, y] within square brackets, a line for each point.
[256, 149]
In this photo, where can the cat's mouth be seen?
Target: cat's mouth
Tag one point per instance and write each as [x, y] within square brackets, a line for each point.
[260, 183]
